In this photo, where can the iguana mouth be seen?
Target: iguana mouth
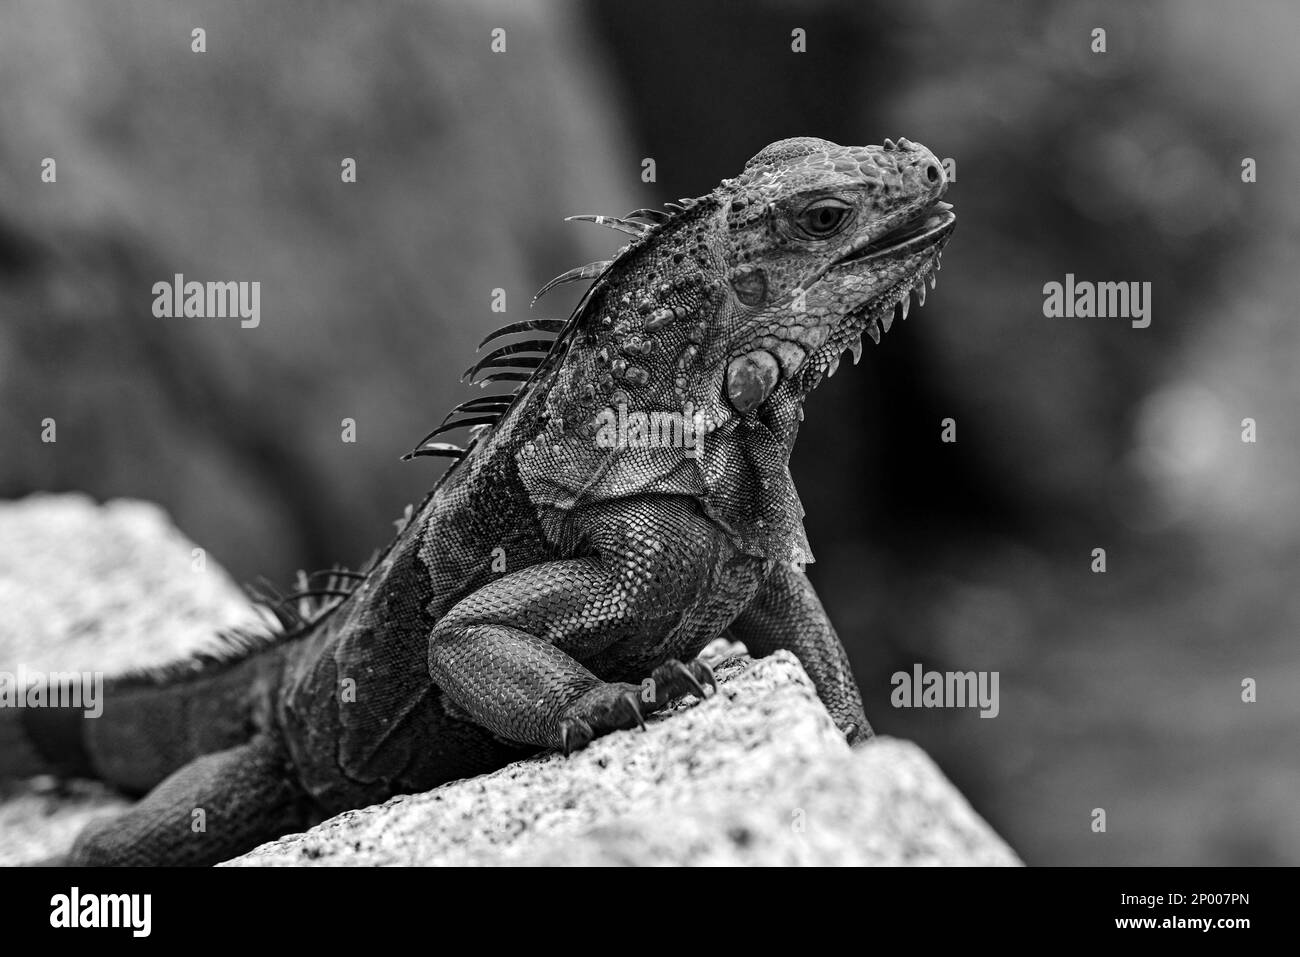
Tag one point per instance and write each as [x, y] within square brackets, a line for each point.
[923, 229]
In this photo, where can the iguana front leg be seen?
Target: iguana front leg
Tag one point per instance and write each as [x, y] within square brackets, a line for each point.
[786, 613]
[509, 654]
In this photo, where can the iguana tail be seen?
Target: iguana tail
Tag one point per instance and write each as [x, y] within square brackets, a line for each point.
[135, 730]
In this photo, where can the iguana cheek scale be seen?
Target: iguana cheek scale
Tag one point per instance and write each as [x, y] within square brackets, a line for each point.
[526, 601]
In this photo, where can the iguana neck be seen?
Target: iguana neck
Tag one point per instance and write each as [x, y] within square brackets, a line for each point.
[656, 342]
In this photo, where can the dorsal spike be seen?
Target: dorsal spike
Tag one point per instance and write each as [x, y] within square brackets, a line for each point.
[316, 593]
[269, 597]
[525, 325]
[622, 225]
[444, 449]
[675, 207]
[495, 403]
[337, 578]
[503, 362]
[487, 380]
[448, 426]
[656, 216]
[338, 572]
[514, 349]
[577, 274]
[523, 345]
[268, 587]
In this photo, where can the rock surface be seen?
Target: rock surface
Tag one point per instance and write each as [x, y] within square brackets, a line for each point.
[756, 774]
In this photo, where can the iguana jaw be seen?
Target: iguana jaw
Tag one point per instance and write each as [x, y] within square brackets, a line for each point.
[876, 316]
[905, 256]
[927, 227]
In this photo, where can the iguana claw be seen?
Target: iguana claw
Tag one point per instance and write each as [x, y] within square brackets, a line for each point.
[575, 734]
[855, 733]
[673, 679]
[633, 702]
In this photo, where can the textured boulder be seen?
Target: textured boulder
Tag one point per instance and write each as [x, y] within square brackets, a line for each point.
[756, 774]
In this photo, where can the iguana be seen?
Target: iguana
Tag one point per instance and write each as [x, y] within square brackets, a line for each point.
[562, 575]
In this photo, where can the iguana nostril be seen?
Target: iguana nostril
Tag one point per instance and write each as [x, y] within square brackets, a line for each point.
[932, 173]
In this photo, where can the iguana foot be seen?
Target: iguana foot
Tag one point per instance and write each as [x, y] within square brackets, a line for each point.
[617, 705]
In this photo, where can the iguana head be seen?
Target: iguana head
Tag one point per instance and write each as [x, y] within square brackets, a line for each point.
[823, 243]
[762, 282]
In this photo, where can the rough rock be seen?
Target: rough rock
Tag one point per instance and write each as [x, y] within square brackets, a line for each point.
[756, 774]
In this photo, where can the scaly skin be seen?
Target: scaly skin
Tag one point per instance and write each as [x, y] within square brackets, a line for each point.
[549, 574]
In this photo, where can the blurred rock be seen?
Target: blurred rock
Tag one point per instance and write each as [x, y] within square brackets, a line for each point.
[111, 587]
[226, 165]
[90, 587]
[39, 820]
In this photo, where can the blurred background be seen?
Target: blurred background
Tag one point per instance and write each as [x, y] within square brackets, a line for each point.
[1119, 691]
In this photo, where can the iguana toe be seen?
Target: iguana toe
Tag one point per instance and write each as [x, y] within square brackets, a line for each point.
[611, 706]
[673, 679]
[856, 733]
[575, 734]
[633, 704]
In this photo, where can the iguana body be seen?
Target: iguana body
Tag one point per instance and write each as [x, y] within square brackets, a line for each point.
[550, 572]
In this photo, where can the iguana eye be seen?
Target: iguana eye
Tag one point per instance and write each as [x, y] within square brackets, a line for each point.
[824, 218]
